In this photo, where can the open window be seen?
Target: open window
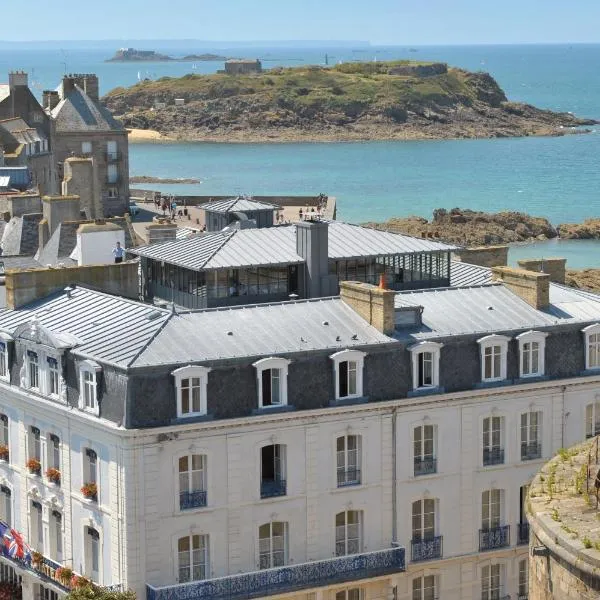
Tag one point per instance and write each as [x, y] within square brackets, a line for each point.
[271, 374]
[348, 373]
[272, 471]
[425, 365]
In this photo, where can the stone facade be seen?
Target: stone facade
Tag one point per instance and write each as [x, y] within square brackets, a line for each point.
[484, 256]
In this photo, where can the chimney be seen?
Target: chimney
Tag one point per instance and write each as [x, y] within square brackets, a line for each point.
[312, 244]
[95, 242]
[161, 231]
[555, 267]
[17, 79]
[374, 304]
[59, 209]
[484, 256]
[80, 179]
[68, 85]
[50, 99]
[530, 286]
[91, 86]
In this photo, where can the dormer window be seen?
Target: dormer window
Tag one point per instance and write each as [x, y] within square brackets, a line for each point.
[532, 345]
[4, 366]
[425, 365]
[592, 346]
[493, 357]
[271, 375]
[33, 370]
[53, 376]
[191, 383]
[348, 373]
[88, 386]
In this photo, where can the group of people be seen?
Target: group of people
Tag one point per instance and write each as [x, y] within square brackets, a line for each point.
[168, 206]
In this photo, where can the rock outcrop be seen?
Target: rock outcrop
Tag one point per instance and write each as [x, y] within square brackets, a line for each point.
[588, 230]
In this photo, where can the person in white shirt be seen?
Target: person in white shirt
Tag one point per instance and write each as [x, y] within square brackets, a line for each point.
[118, 253]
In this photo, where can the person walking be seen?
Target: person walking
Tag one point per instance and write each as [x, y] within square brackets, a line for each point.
[118, 253]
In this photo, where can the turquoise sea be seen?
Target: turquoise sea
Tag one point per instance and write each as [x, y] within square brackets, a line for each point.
[554, 177]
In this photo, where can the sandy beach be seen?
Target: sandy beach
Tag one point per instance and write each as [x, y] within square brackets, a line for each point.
[147, 135]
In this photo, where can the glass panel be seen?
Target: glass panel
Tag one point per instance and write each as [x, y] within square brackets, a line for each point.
[352, 378]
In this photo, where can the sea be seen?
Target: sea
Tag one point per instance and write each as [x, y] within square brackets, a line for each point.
[558, 177]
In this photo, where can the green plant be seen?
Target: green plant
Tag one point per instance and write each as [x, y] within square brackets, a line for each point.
[554, 515]
[587, 543]
[91, 592]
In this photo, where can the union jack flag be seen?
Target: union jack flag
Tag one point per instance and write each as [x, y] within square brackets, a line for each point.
[15, 546]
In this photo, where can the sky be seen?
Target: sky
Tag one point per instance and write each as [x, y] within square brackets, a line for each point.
[389, 22]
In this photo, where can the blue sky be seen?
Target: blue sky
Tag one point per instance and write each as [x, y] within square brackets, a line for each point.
[398, 22]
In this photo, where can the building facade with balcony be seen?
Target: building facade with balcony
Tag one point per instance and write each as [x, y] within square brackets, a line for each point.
[327, 449]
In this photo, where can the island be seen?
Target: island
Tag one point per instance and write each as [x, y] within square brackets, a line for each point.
[351, 101]
[133, 55]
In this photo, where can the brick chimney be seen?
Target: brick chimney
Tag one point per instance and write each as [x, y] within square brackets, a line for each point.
[484, 256]
[17, 79]
[555, 267]
[91, 86]
[374, 304]
[50, 99]
[533, 287]
[68, 85]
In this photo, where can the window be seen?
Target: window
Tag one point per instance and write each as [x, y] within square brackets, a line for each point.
[33, 370]
[523, 580]
[271, 376]
[191, 383]
[424, 588]
[53, 377]
[5, 505]
[531, 439]
[86, 147]
[523, 525]
[192, 553]
[425, 365]
[35, 444]
[424, 450]
[90, 475]
[272, 471]
[531, 352]
[423, 519]
[350, 594]
[92, 554]
[4, 439]
[348, 532]
[272, 545]
[493, 451]
[111, 150]
[491, 582]
[348, 373]
[37, 526]
[4, 372]
[112, 174]
[88, 397]
[592, 420]
[592, 346]
[54, 452]
[493, 357]
[56, 543]
[491, 504]
[348, 460]
[192, 481]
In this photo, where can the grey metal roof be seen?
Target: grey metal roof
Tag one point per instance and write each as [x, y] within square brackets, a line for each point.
[493, 308]
[108, 328]
[259, 330]
[464, 274]
[277, 245]
[239, 204]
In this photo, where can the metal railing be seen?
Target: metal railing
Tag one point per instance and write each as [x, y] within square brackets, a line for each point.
[426, 549]
[348, 477]
[531, 451]
[493, 456]
[495, 537]
[193, 499]
[113, 156]
[283, 580]
[523, 596]
[522, 533]
[425, 465]
[270, 488]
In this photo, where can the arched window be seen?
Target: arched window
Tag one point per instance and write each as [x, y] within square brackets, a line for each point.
[425, 588]
[192, 481]
[348, 373]
[191, 383]
[271, 374]
[272, 544]
[424, 446]
[425, 365]
[89, 372]
[426, 544]
[348, 451]
[532, 348]
[494, 349]
[348, 532]
[592, 346]
[192, 557]
[92, 554]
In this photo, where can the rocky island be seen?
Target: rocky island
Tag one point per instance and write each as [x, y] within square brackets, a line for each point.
[352, 101]
[133, 55]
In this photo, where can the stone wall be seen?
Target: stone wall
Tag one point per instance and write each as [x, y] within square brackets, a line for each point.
[484, 256]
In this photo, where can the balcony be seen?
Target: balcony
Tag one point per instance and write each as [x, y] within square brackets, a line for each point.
[113, 156]
[531, 451]
[425, 465]
[284, 580]
[496, 537]
[523, 596]
[522, 533]
[493, 456]
[426, 549]
[271, 488]
[193, 499]
[346, 477]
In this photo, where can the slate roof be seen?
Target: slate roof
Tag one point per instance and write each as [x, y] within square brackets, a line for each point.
[239, 204]
[107, 327]
[21, 235]
[4, 91]
[78, 112]
[493, 308]
[22, 132]
[277, 245]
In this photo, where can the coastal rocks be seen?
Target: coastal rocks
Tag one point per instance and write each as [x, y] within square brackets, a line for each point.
[585, 279]
[473, 228]
[150, 179]
[588, 230]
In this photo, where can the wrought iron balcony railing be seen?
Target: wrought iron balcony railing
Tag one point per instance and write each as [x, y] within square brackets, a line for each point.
[425, 465]
[426, 549]
[523, 533]
[531, 451]
[193, 499]
[493, 456]
[270, 488]
[283, 580]
[495, 537]
[348, 477]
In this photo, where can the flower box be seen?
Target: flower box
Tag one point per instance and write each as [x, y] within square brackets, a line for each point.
[53, 475]
[4, 453]
[90, 491]
[34, 466]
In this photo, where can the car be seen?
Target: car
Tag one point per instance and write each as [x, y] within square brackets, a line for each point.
[134, 209]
